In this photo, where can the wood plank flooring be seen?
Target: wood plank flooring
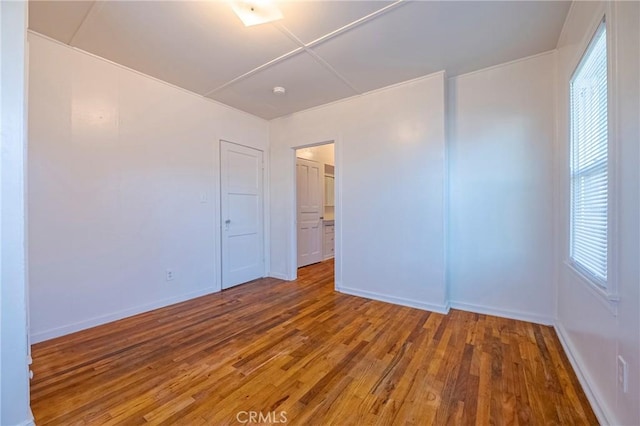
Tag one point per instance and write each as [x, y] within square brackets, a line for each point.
[273, 351]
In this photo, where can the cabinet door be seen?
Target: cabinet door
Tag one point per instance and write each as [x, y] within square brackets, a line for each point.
[329, 241]
[329, 191]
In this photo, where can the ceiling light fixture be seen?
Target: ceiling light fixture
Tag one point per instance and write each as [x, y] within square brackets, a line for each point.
[279, 90]
[255, 12]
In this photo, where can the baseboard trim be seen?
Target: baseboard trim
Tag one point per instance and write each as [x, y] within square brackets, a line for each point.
[27, 422]
[441, 309]
[602, 413]
[504, 313]
[279, 276]
[115, 316]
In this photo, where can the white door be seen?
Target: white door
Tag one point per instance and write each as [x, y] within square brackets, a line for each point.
[241, 206]
[309, 191]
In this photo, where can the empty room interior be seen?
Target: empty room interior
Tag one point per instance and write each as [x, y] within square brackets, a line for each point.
[320, 212]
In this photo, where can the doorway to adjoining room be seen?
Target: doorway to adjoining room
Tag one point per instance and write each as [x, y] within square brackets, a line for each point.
[315, 204]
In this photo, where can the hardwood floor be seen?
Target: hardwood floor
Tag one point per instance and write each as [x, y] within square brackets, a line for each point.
[271, 351]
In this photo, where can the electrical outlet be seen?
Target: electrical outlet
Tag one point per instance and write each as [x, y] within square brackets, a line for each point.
[169, 275]
[623, 374]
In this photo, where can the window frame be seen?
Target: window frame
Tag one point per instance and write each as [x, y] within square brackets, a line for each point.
[609, 292]
[585, 171]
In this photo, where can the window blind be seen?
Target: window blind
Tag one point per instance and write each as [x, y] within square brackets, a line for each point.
[589, 168]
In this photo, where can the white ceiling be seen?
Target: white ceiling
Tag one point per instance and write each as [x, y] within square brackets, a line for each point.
[320, 52]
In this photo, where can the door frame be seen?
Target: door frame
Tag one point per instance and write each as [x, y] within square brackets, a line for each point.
[293, 209]
[216, 200]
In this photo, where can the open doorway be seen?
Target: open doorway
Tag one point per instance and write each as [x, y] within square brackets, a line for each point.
[315, 204]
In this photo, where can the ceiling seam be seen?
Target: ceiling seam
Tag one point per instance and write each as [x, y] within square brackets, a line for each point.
[328, 66]
[307, 46]
[256, 70]
[95, 8]
[355, 23]
[316, 57]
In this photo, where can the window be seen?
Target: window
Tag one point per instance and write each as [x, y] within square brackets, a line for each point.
[589, 168]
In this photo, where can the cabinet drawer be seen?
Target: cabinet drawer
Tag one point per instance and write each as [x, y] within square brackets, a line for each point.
[329, 248]
[328, 243]
[328, 229]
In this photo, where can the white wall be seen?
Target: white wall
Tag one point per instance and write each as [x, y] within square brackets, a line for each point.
[593, 329]
[323, 154]
[14, 373]
[390, 182]
[118, 163]
[501, 126]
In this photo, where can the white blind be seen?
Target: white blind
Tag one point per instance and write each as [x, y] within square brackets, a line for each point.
[589, 174]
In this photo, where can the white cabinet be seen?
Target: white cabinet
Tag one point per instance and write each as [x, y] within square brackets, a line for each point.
[329, 191]
[329, 239]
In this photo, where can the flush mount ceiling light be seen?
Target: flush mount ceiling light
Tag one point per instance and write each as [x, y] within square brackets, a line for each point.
[255, 12]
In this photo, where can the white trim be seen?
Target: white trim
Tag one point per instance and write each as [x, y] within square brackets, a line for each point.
[504, 64]
[503, 313]
[216, 195]
[28, 422]
[601, 411]
[608, 296]
[292, 255]
[350, 26]
[278, 275]
[607, 300]
[613, 166]
[266, 209]
[446, 186]
[556, 182]
[254, 71]
[337, 209]
[370, 92]
[41, 336]
[182, 89]
[574, 61]
[562, 35]
[307, 47]
[441, 309]
[402, 83]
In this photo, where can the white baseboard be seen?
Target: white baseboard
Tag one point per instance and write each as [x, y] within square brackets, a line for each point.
[41, 336]
[279, 276]
[505, 313]
[442, 309]
[27, 422]
[602, 413]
